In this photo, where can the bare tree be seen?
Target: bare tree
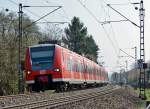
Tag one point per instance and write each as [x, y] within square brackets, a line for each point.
[53, 32]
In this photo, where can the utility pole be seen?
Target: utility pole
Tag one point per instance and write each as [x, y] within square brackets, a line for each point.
[136, 64]
[142, 64]
[142, 83]
[126, 65]
[20, 72]
[135, 57]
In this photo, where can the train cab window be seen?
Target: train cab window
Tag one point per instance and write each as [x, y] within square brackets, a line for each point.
[42, 57]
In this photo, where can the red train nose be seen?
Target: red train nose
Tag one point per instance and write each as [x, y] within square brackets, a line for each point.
[43, 79]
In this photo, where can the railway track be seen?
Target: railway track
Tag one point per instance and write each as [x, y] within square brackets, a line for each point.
[22, 98]
[64, 100]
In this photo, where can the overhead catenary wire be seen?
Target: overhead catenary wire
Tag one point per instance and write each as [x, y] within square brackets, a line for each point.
[114, 35]
[113, 32]
[42, 17]
[110, 39]
[52, 22]
[66, 15]
[13, 2]
[110, 25]
[106, 21]
[89, 11]
[121, 4]
[35, 13]
[131, 3]
[101, 25]
[123, 16]
[127, 54]
[107, 35]
[115, 21]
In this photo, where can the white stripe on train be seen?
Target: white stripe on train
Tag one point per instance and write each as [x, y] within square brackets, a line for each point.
[77, 81]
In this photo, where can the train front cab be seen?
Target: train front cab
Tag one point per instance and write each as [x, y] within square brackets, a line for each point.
[42, 65]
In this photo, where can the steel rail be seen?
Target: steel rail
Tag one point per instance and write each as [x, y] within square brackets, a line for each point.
[63, 100]
[71, 100]
[2, 98]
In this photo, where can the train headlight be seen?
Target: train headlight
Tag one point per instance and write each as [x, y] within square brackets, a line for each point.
[28, 72]
[56, 69]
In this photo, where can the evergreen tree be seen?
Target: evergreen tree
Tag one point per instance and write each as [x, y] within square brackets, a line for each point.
[75, 35]
[78, 40]
[90, 48]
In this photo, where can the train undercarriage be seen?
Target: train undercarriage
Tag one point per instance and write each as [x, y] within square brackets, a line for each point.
[45, 82]
[61, 86]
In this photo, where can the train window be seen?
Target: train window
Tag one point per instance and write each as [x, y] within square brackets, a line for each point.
[79, 66]
[41, 54]
[95, 71]
[90, 69]
[85, 68]
[69, 65]
[101, 72]
[74, 67]
[82, 68]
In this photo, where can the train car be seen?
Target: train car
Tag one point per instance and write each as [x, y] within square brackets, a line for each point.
[50, 66]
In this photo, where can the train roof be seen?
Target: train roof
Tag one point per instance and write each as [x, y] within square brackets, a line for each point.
[41, 45]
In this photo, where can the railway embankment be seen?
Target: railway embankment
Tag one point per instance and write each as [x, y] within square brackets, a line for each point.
[122, 98]
[107, 97]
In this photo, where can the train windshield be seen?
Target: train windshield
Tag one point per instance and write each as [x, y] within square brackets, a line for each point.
[42, 57]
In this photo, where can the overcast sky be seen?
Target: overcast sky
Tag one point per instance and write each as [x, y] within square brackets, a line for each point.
[109, 37]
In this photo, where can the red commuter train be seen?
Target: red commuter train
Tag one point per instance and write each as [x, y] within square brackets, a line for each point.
[50, 66]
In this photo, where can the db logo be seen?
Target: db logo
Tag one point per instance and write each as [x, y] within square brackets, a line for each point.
[42, 71]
